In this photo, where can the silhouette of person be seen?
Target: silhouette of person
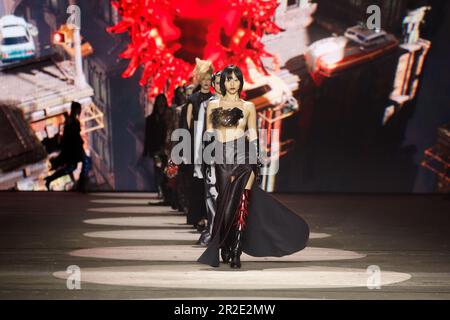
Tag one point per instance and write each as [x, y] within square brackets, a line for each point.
[72, 150]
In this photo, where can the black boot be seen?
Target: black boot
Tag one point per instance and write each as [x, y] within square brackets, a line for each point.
[225, 249]
[225, 253]
[205, 238]
[54, 176]
[236, 249]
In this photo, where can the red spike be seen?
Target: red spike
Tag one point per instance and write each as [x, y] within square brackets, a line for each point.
[242, 211]
[139, 17]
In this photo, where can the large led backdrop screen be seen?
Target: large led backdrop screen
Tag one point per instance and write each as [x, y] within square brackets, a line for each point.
[352, 96]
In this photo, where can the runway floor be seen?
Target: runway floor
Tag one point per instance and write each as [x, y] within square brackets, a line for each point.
[361, 247]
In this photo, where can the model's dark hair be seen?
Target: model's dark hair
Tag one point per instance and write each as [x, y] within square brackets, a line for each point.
[228, 73]
[160, 104]
[179, 97]
[75, 109]
[214, 77]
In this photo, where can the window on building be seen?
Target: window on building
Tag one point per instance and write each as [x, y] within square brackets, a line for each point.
[96, 84]
[103, 88]
[100, 88]
[86, 68]
[105, 11]
[114, 15]
[90, 76]
[95, 138]
[108, 16]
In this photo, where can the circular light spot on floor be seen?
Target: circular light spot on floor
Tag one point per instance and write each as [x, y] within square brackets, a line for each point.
[167, 234]
[136, 210]
[236, 298]
[173, 221]
[190, 253]
[137, 202]
[143, 234]
[196, 276]
[317, 235]
[146, 195]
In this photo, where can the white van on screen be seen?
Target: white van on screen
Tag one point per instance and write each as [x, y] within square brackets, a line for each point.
[16, 39]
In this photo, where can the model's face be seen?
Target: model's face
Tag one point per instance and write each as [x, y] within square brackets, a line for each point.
[232, 84]
[160, 107]
[205, 83]
[217, 84]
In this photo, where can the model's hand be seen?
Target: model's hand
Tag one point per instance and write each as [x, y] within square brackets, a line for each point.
[198, 171]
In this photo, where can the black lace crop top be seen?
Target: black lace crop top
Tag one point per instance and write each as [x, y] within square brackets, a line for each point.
[221, 117]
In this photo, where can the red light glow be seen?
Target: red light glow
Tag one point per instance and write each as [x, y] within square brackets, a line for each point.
[58, 38]
[186, 29]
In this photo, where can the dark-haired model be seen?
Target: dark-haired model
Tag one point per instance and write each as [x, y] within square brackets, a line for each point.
[247, 218]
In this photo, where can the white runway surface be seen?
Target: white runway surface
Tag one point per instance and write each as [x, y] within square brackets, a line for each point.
[153, 221]
[137, 210]
[195, 276]
[190, 253]
[158, 234]
[180, 269]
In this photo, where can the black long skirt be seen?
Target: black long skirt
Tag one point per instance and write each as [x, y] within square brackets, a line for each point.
[272, 230]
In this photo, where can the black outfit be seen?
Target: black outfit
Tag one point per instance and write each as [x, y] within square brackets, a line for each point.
[72, 152]
[71, 145]
[155, 139]
[197, 206]
[208, 174]
[196, 100]
[155, 134]
[184, 177]
[268, 228]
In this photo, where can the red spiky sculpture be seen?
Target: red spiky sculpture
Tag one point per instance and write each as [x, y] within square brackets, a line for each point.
[167, 35]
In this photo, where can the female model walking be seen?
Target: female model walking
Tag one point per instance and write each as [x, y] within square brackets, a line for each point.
[247, 218]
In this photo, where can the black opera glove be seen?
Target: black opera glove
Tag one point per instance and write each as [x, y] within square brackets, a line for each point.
[255, 158]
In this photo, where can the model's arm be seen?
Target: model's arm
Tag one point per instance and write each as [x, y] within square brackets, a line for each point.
[189, 115]
[253, 135]
[209, 138]
[251, 122]
[209, 126]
